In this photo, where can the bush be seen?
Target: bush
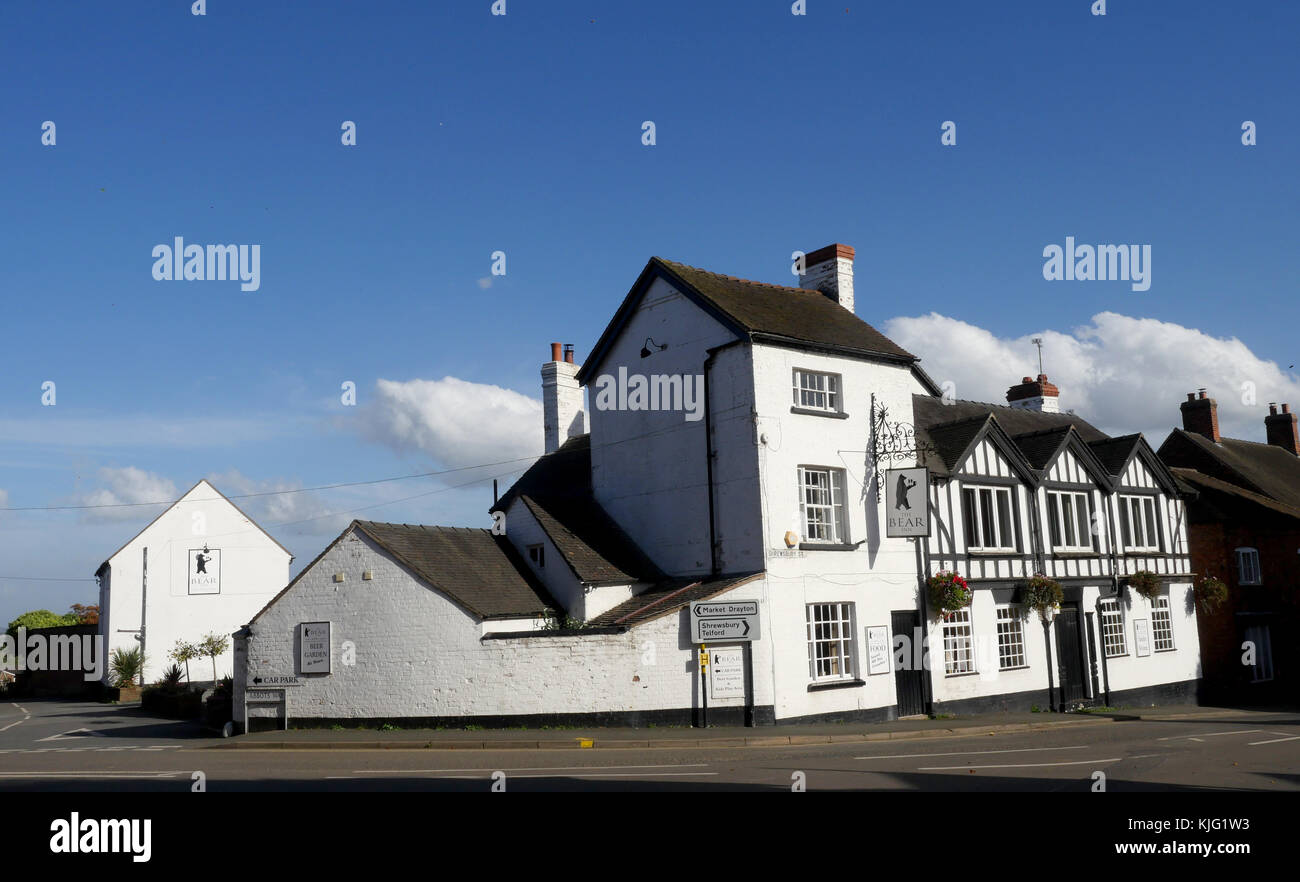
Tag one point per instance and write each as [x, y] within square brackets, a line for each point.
[949, 593]
[40, 618]
[126, 666]
[172, 677]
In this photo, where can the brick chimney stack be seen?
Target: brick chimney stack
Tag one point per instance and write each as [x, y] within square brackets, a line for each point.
[1281, 429]
[562, 414]
[830, 271]
[1201, 415]
[1035, 394]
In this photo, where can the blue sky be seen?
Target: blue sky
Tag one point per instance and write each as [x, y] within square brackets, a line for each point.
[522, 133]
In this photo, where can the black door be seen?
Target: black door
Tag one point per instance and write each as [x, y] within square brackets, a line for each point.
[1069, 648]
[909, 661]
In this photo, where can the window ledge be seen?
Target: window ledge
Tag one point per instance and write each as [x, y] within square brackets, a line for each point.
[1174, 649]
[827, 546]
[1016, 668]
[810, 411]
[835, 684]
[967, 674]
[1074, 555]
[996, 552]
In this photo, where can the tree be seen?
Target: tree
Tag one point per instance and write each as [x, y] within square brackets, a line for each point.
[212, 646]
[185, 652]
[86, 615]
[39, 618]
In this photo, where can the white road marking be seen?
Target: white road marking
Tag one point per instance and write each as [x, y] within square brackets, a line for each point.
[1275, 740]
[1113, 759]
[967, 752]
[516, 771]
[92, 774]
[1201, 735]
[72, 733]
[14, 723]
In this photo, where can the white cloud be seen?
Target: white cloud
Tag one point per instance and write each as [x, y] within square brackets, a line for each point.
[127, 487]
[301, 508]
[485, 283]
[454, 422]
[1120, 373]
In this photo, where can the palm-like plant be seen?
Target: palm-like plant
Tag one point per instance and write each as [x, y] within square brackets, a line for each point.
[126, 666]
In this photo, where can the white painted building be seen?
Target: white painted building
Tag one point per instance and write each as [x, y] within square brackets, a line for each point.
[739, 434]
[201, 567]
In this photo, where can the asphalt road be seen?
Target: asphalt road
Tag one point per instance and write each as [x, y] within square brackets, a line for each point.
[82, 747]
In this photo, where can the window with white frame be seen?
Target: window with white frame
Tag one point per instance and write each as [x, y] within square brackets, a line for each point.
[1011, 638]
[988, 516]
[1137, 523]
[1112, 628]
[958, 644]
[1260, 641]
[815, 390]
[1162, 624]
[1248, 566]
[821, 504]
[1069, 521]
[830, 641]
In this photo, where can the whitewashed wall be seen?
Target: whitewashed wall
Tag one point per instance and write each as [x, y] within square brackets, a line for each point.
[253, 569]
[418, 654]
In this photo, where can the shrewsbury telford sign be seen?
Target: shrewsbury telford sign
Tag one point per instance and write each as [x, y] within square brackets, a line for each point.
[724, 622]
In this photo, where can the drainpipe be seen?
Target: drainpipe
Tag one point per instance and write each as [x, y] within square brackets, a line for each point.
[708, 452]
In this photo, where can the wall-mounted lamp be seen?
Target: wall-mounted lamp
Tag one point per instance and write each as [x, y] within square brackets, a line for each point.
[649, 342]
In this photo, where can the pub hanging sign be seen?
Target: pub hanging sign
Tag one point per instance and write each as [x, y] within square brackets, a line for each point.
[907, 510]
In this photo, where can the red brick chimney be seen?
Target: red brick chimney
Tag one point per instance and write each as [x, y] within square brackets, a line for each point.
[1201, 415]
[1281, 428]
[1035, 394]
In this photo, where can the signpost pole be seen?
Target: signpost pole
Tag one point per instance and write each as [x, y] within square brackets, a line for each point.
[749, 684]
[704, 686]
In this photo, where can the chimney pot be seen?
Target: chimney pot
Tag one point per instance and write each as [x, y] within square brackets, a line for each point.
[1191, 396]
[1201, 393]
[568, 353]
[1201, 416]
[1026, 379]
[555, 351]
[1272, 408]
[1280, 429]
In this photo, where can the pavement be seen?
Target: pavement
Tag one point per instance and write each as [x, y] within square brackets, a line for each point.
[628, 738]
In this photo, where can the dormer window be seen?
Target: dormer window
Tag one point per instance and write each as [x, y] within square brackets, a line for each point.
[1069, 521]
[987, 513]
[815, 390]
[1137, 523]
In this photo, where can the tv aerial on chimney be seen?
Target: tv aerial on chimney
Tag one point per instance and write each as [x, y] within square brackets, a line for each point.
[1038, 341]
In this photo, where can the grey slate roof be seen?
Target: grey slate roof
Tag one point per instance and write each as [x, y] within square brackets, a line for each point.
[481, 572]
[782, 311]
[1115, 453]
[1262, 468]
[557, 490]
[931, 411]
[1223, 494]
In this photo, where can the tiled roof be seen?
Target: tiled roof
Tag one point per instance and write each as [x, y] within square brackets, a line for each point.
[481, 572]
[1114, 453]
[793, 313]
[1208, 486]
[1039, 448]
[557, 490]
[1263, 468]
[668, 597]
[929, 411]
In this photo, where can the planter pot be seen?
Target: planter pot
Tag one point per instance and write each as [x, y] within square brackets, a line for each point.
[128, 693]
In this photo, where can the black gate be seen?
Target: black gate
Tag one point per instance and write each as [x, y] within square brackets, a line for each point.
[1069, 648]
[909, 661]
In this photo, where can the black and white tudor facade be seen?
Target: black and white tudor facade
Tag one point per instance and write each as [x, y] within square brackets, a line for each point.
[1022, 490]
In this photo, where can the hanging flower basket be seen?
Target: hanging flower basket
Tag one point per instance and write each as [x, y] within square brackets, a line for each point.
[1211, 595]
[949, 593]
[1145, 582]
[1042, 594]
